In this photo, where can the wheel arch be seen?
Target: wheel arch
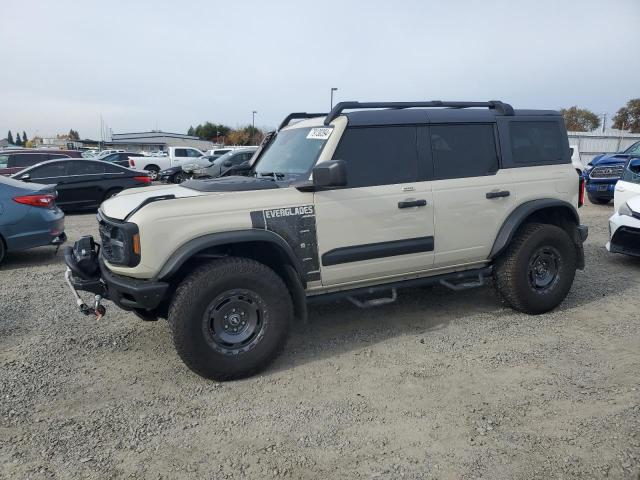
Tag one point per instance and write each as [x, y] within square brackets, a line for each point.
[263, 246]
[546, 210]
[152, 166]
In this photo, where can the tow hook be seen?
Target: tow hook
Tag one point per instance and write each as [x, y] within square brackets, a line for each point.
[98, 309]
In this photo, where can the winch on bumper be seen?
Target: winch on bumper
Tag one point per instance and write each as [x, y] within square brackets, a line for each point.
[86, 271]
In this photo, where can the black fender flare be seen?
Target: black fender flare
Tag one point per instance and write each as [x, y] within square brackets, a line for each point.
[520, 214]
[196, 245]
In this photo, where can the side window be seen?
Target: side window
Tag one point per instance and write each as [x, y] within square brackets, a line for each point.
[181, 152]
[461, 151]
[245, 157]
[194, 153]
[56, 156]
[84, 167]
[536, 143]
[4, 161]
[113, 169]
[379, 155]
[52, 170]
[28, 159]
[632, 172]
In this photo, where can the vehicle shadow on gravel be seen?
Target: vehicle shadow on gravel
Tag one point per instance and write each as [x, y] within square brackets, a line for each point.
[35, 257]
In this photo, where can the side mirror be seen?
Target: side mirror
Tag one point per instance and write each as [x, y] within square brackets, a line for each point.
[330, 174]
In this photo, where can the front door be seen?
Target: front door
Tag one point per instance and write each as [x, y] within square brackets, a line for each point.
[381, 224]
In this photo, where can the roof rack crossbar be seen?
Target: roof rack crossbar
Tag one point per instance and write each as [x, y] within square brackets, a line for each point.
[298, 115]
[498, 106]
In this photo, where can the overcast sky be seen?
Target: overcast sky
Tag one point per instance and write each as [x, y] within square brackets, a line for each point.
[167, 64]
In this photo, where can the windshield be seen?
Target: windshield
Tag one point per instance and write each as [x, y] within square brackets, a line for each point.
[293, 152]
[633, 149]
[220, 160]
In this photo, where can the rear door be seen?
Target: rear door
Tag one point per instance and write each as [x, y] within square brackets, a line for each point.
[471, 193]
[84, 185]
[629, 185]
[381, 224]
[52, 173]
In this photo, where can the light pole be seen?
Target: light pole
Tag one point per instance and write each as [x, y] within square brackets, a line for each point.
[253, 125]
[333, 89]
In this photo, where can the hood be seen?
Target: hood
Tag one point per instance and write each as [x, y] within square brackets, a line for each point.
[611, 159]
[126, 202]
[200, 163]
[120, 206]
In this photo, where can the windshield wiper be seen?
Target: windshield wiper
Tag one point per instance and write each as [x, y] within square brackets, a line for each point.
[275, 175]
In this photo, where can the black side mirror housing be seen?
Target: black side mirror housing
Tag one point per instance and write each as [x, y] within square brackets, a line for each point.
[330, 174]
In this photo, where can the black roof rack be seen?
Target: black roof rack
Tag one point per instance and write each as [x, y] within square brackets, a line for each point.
[500, 107]
[298, 115]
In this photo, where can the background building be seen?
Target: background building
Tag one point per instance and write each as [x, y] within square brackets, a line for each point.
[155, 141]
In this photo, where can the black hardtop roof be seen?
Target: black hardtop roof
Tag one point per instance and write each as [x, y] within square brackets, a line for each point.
[394, 113]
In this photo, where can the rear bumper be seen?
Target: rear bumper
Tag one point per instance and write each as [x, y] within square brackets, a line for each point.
[39, 228]
[127, 293]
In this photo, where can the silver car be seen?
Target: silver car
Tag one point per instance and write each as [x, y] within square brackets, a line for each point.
[220, 164]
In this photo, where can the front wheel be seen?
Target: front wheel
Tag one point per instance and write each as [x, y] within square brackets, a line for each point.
[230, 318]
[536, 272]
[180, 177]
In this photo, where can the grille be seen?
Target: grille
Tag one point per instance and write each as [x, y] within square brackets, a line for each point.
[607, 172]
[105, 237]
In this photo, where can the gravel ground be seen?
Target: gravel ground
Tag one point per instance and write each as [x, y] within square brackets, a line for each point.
[439, 385]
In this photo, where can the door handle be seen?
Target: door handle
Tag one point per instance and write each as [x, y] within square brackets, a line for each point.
[412, 203]
[500, 194]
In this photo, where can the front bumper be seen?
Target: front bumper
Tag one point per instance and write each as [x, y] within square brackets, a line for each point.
[127, 293]
[602, 188]
[624, 235]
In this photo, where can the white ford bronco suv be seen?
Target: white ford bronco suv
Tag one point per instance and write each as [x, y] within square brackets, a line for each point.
[355, 204]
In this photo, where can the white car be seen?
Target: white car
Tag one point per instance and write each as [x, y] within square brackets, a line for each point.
[624, 224]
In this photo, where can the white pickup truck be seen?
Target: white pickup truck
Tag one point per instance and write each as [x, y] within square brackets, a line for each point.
[175, 156]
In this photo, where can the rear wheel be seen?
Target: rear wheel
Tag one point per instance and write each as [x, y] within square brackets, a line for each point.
[230, 318]
[598, 200]
[153, 171]
[537, 270]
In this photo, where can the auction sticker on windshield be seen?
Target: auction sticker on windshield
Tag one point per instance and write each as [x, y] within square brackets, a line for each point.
[319, 133]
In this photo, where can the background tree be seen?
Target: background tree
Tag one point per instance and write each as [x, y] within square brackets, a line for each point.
[24, 137]
[18, 142]
[580, 119]
[191, 131]
[10, 137]
[73, 135]
[245, 136]
[628, 117]
[211, 131]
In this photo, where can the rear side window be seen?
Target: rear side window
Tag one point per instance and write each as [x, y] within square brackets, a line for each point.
[27, 159]
[52, 170]
[85, 167]
[181, 152]
[4, 161]
[461, 151]
[536, 143]
[379, 155]
[109, 168]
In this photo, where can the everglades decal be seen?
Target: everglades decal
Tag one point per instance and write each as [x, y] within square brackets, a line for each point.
[297, 225]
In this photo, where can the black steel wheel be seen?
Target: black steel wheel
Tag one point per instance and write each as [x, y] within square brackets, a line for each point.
[230, 318]
[536, 271]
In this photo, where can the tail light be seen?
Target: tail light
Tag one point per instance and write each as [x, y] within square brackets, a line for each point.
[581, 188]
[41, 200]
[143, 179]
[132, 163]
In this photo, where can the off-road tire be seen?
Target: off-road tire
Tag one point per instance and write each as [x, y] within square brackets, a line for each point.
[515, 276]
[598, 200]
[193, 329]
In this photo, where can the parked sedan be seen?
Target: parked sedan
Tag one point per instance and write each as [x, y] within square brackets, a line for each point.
[29, 216]
[83, 184]
[119, 158]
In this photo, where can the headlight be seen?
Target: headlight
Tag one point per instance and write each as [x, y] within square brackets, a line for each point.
[120, 242]
[625, 210]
